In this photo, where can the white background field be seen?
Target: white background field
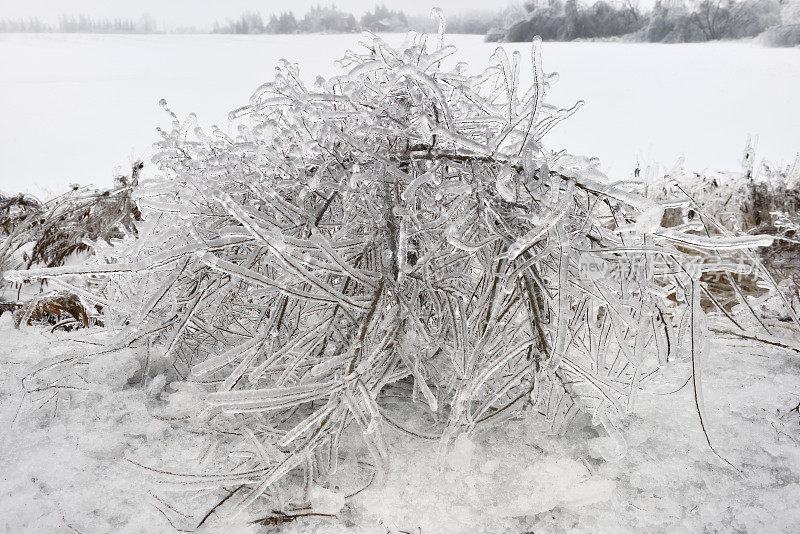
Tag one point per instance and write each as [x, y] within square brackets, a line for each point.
[75, 108]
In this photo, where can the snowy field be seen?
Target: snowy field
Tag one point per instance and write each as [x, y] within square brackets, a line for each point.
[76, 107]
[67, 468]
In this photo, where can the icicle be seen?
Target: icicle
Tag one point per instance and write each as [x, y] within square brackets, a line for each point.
[718, 242]
[439, 14]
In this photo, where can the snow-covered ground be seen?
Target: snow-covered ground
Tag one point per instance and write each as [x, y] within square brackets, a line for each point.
[74, 108]
[64, 456]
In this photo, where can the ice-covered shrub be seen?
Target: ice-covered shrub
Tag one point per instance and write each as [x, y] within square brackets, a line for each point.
[53, 233]
[399, 232]
[759, 200]
[17, 215]
[565, 21]
[785, 35]
[787, 31]
[770, 204]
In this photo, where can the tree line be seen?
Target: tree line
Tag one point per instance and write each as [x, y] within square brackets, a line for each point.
[80, 24]
[669, 21]
[318, 19]
[330, 19]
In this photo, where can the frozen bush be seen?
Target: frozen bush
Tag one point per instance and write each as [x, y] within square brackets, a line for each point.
[787, 35]
[56, 232]
[729, 19]
[565, 21]
[396, 232]
[761, 199]
[666, 22]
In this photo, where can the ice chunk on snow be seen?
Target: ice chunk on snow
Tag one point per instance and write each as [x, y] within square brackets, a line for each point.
[581, 494]
[590, 492]
[185, 401]
[6, 321]
[460, 457]
[325, 501]
[559, 482]
[102, 444]
[113, 369]
[157, 385]
[180, 403]
[489, 467]
[605, 448]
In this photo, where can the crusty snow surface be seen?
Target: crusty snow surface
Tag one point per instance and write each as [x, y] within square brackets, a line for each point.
[67, 466]
[76, 107]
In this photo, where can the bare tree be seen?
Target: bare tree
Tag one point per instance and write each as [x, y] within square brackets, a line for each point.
[719, 19]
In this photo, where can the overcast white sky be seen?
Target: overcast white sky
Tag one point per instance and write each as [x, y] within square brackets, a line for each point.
[203, 12]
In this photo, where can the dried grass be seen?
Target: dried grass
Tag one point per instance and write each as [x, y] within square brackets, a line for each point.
[48, 234]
